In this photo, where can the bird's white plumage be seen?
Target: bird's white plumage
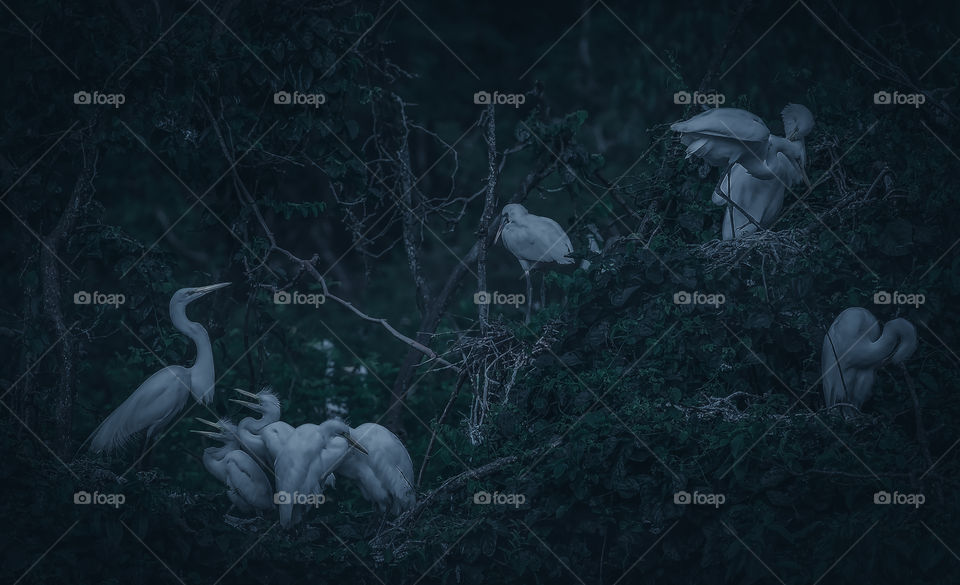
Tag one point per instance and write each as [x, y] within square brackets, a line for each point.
[247, 485]
[157, 401]
[384, 475]
[534, 239]
[854, 348]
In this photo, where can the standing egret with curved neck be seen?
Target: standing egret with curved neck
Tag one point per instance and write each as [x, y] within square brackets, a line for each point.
[162, 396]
[854, 348]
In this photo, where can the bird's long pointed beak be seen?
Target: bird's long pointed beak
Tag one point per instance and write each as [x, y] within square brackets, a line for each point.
[208, 289]
[245, 393]
[210, 434]
[208, 422]
[253, 405]
[353, 443]
[499, 230]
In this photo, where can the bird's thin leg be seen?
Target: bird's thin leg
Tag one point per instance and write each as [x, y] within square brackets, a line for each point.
[733, 225]
[526, 275]
[543, 291]
[145, 452]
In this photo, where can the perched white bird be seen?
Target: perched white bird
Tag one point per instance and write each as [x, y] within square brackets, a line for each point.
[299, 466]
[157, 401]
[854, 348]
[534, 240]
[727, 136]
[384, 475]
[247, 485]
[762, 199]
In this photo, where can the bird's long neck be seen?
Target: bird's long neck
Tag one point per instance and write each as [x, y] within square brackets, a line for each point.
[201, 373]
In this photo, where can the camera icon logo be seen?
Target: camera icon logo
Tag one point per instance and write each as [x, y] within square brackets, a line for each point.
[682, 498]
[281, 497]
[81, 97]
[281, 297]
[882, 298]
[882, 97]
[481, 98]
[82, 298]
[881, 497]
[482, 498]
[482, 298]
[682, 97]
[682, 298]
[82, 498]
[281, 97]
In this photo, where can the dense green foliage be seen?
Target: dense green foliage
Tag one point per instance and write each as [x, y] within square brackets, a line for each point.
[608, 403]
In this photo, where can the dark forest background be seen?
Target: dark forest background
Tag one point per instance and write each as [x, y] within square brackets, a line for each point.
[608, 403]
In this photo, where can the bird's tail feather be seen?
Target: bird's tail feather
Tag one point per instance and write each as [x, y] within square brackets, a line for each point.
[115, 431]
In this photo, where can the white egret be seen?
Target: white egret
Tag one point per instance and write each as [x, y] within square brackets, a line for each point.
[762, 199]
[299, 468]
[854, 348]
[247, 485]
[534, 240]
[157, 401]
[384, 475]
[724, 137]
[265, 437]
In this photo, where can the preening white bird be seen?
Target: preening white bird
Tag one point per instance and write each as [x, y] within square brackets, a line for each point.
[157, 401]
[299, 468]
[854, 348]
[534, 240]
[762, 199]
[724, 137]
[384, 475]
[247, 485]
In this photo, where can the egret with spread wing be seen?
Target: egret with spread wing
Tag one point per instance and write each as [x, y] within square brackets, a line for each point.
[534, 240]
[157, 401]
[754, 203]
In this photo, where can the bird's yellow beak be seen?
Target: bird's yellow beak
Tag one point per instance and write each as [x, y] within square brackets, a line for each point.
[251, 405]
[207, 434]
[208, 422]
[353, 443]
[209, 289]
[245, 393]
[503, 222]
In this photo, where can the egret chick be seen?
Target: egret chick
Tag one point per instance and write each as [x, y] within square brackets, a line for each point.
[247, 486]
